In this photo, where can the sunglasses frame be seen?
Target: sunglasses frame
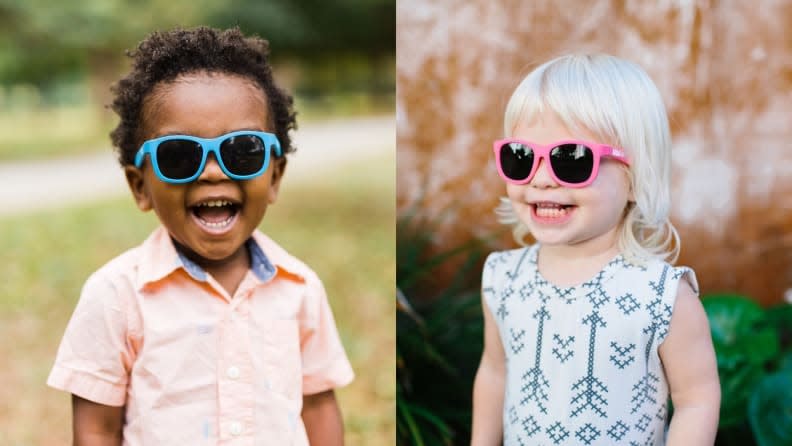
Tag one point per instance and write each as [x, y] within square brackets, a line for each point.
[542, 151]
[209, 145]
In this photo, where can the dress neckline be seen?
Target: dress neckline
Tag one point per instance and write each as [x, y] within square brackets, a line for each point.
[570, 293]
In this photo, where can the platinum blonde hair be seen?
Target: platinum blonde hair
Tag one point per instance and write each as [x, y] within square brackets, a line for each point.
[616, 101]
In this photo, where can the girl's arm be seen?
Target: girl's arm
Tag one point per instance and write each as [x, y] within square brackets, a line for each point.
[689, 362]
[322, 419]
[96, 424]
[488, 387]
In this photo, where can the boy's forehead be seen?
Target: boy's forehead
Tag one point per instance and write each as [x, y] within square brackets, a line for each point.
[207, 82]
[202, 100]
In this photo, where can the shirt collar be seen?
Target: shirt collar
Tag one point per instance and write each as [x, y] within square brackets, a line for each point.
[160, 258]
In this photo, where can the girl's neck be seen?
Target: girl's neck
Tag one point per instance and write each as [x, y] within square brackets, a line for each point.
[571, 265]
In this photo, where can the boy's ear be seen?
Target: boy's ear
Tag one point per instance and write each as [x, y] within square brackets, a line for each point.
[278, 170]
[137, 186]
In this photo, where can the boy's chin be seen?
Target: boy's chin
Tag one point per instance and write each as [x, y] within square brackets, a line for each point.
[213, 253]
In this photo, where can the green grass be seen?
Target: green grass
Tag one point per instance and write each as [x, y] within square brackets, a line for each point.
[343, 225]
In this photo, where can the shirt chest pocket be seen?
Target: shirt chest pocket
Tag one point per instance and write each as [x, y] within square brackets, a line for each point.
[280, 357]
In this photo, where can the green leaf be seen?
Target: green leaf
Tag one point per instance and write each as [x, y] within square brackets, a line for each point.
[738, 332]
[736, 387]
[744, 344]
[770, 410]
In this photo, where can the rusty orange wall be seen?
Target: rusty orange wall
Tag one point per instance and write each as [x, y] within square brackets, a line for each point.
[723, 68]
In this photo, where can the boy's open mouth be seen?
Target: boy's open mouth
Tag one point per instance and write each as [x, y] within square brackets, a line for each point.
[215, 214]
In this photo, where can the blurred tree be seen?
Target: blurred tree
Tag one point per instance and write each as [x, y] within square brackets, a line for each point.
[317, 28]
[41, 41]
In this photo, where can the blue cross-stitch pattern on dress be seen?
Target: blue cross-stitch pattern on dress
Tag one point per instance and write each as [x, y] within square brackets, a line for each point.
[644, 391]
[516, 343]
[502, 311]
[525, 291]
[587, 433]
[643, 422]
[649, 441]
[530, 426]
[661, 412]
[661, 318]
[498, 258]
[563, 349]
[564, 293]
[627, 304]
[597, 295]
[536, 385]
[514, 417]
[591, 389]
[659, 286]
[515, 273]
[618, 430]
[622, 355]
[557, 432]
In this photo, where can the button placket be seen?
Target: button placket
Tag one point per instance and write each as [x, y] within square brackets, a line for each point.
[235, 392]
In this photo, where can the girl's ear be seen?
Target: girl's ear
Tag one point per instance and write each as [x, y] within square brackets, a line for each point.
[137, 185]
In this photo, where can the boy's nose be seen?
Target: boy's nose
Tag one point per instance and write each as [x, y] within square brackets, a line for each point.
[212, 170]
[542, 178]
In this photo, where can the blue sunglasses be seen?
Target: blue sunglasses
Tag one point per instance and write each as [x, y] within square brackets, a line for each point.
[180, 159]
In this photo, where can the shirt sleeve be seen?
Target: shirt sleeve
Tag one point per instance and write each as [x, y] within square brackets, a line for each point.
[324, 362]
[95, 357]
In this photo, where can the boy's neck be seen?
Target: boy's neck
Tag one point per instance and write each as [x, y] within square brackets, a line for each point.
[228, 272]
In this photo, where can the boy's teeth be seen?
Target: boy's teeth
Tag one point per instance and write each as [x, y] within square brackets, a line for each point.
[218, 224]
[215, 203]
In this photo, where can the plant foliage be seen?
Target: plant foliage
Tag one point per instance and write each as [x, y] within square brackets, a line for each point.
[754, 352]
[439, 340]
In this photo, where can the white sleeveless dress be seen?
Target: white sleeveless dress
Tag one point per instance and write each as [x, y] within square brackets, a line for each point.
[582, 364]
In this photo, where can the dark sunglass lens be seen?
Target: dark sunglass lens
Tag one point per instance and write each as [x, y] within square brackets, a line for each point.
[516, 160]
[572, 163]
[179, 158]
[243, 154]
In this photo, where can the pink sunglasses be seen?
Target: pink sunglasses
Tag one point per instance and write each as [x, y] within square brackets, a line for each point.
[573, 163]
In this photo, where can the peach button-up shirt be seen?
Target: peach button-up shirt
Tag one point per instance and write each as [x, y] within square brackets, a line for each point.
[193, 365]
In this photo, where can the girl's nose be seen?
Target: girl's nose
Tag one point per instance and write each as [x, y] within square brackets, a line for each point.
[542, 178]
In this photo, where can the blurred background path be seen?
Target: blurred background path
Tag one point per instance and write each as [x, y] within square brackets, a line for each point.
[52, 183]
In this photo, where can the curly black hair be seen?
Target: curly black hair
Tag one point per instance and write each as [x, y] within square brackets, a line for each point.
[164, 56]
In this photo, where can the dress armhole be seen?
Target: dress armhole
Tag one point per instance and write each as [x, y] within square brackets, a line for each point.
[488, 274]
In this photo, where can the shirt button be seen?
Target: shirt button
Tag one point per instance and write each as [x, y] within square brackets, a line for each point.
[232, 372]
[235, 428]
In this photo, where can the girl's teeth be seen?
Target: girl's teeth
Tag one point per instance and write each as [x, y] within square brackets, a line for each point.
[550, 210]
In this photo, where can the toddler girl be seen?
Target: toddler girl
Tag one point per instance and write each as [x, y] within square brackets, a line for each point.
[589, 330]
